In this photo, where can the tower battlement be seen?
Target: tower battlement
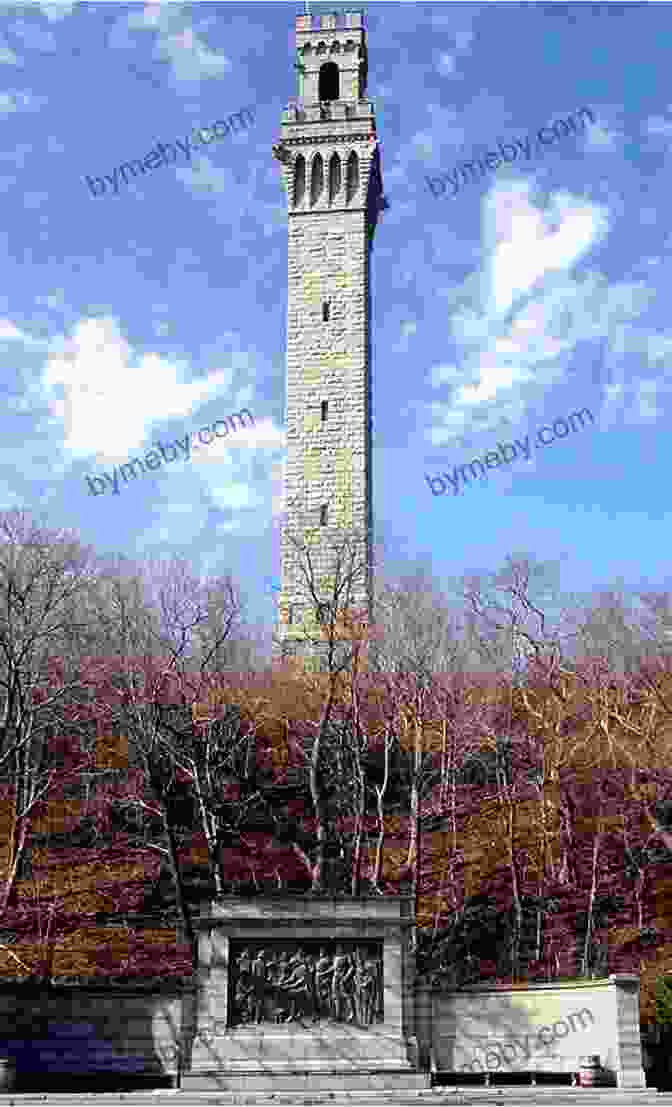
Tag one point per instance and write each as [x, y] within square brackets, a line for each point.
[328, 22]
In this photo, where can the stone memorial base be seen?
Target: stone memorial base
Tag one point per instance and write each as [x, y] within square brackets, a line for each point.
[538, 1028]
[301, 993]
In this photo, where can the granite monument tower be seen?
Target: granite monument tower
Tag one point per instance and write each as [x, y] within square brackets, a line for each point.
[330, 163]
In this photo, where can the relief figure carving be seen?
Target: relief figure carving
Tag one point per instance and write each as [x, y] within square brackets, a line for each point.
[340, 982]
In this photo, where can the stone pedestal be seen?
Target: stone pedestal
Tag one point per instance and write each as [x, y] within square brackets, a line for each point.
[252, 1033]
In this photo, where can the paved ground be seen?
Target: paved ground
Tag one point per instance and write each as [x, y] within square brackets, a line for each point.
[437, 1097]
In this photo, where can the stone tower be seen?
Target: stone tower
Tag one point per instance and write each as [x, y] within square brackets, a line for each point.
[330, 166]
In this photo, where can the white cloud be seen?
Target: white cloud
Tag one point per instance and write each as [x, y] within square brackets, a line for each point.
[56, 12]
[20, 101]
[525, 311]
[108, 398]
[408, 330]
[9, 330]
[190, 56]
[524, 250]
[263, 435]
[237, 496]
[7, 55]
[278, 489]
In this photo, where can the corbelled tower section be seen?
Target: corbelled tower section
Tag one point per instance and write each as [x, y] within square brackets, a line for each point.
[331, 171]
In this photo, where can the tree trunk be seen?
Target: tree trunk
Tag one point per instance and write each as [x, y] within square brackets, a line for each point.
[448, 782]
[515, 889]
[359, 829]
[567, 873]
[380, 797]
[317, 796]
[639, 896]
[211, 837]
[585, 960]
[413, 856]
[186, 931]
[16, 848]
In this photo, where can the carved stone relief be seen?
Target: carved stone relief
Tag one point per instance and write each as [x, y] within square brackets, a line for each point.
[307, 982]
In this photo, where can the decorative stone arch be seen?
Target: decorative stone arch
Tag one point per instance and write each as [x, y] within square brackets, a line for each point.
[351, 177]
[316, 178]
[334, 176]
[299, 180]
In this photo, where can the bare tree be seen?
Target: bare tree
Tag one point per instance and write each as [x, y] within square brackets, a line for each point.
[213, 750]
[464, 704]
[43, 576]
[335, 631]
[414, 642]
[166, 630]
[527, 650]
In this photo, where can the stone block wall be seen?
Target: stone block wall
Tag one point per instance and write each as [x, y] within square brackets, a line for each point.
[537, 1028]
[327, 462]
[96, 1028]
[83, 1029]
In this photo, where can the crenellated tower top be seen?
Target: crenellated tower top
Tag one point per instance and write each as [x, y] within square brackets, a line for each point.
[331, 51]
[332, 111]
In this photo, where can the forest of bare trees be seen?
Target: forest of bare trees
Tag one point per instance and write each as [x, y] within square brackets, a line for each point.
[497, 750]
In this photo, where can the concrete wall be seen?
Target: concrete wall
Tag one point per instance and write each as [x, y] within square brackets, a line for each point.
[92, 1028]
[133, 1030]
[540, 1027]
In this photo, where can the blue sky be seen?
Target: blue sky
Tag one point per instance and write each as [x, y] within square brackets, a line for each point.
[536, 291]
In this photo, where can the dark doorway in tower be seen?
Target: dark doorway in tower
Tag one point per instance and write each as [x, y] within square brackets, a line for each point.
[329, 82]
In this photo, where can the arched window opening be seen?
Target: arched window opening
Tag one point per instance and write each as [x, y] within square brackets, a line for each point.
[317, 179]
[352, 177]
[325, 312]
[363, 72]
[329, 82]
[299, 179]
[334, 176]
